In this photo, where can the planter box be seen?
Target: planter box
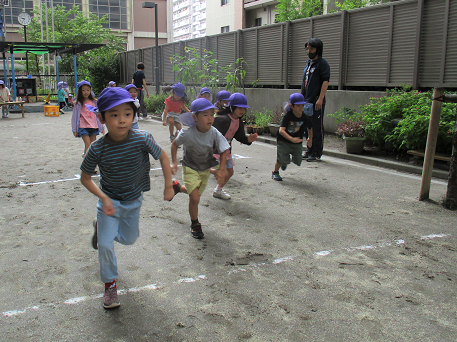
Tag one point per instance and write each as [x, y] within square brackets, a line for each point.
[354, 145]
[274, 129]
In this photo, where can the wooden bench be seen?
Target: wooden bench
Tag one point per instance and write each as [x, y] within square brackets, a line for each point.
[438, 156]
[19, 103]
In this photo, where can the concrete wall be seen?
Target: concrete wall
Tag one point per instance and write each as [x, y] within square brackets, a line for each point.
[259, 98]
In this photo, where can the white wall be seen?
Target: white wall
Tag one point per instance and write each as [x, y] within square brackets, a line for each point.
[218, 16]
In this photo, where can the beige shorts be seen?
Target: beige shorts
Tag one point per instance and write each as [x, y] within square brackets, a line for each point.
[195, 179]
[174, 116]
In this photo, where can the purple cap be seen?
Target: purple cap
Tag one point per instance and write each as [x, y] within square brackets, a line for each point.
[223, 95]
[84, 83]
[205, 90]
[109, 98]
[128, 86]
[238, 100]
[178, 89]
[201, 104]
[111, 83]
[297, 98]
[1, 82]
[65, 84]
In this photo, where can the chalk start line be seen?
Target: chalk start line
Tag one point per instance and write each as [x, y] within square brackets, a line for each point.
[323, 253]
[78, 177]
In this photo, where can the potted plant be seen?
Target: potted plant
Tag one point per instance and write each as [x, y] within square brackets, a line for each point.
[353, 135]
[275, 122]
[249, 120]
[261, 121]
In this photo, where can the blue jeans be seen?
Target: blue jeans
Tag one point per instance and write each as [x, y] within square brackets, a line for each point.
[122, 227]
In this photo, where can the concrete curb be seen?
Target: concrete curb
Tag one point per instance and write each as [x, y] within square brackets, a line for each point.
[363, 160]
[370, 161]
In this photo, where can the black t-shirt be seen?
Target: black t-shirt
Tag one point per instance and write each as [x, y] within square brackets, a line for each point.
[138, 77]
[315, 73]
[295, 127]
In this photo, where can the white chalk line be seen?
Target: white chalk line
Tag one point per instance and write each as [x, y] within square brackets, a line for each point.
[79, 300]
[77, 177]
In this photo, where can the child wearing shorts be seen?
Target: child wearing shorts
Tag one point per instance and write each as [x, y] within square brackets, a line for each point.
[290, 137]
[200, 143]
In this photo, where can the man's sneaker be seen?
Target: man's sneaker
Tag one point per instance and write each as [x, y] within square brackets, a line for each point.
[276, 176]
[306, 155]
[110, 299]
[313, 158]
[172, 137]
[221, 194]
[196, 231]
[95, 236]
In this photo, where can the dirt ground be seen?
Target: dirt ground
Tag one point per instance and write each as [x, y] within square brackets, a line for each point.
[337, 251]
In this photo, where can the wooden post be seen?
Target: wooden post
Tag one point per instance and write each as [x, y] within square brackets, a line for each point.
[431, 145]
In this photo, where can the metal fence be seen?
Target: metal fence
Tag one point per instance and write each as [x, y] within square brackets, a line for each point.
[404, 42]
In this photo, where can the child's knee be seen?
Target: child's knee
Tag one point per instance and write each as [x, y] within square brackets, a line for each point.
[194, 196]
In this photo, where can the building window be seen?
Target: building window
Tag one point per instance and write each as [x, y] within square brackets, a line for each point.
[225, 29]
[258, 22]
[224, 2]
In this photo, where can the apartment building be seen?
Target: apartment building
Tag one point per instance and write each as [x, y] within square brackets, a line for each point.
[188, 19]
[125, 17]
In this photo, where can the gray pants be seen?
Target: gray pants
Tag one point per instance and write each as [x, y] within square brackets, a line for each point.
[142, 109]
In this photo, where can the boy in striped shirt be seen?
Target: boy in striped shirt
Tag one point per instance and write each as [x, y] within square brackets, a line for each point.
[122, 156]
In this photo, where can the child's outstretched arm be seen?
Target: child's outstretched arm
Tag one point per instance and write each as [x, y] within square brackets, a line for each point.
[86, 180]
[168, 191]
[221, 172]
[183, 107]
[164, 118]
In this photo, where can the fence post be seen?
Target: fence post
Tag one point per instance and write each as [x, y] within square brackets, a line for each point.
[431, 144]
[420, 13]
[342, 47]
[286, 54]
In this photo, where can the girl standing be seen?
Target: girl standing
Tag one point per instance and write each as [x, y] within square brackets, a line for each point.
[84, 123]
[229, 124]
[61, 96]
[173, 106]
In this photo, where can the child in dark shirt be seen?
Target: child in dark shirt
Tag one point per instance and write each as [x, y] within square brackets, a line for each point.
[290, 137]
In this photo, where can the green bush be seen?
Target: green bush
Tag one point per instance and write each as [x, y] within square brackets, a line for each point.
[402, 117]
[155, 103]
[411, 131]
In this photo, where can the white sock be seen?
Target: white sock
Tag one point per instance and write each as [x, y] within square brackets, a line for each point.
[218, 187]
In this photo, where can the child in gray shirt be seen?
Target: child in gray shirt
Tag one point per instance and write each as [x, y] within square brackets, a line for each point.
[200, 143]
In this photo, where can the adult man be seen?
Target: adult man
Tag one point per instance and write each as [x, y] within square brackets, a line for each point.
[316, 76]
[139, 80]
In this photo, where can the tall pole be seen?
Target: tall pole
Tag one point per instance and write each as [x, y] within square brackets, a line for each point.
[157, 52]
[26, 53]
[53, 36]
[41, 23]
[430, 148]
[47, 35]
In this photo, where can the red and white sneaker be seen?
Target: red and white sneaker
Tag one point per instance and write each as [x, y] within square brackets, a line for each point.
[110, 299]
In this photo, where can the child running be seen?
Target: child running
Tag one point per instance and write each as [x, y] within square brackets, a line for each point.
[229, 124]
[200, 143]
[290, 137]
[84, 123]
[173, 106]
[222, 100]
[133, 93]
[122, 156]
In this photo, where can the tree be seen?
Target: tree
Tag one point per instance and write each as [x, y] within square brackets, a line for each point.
[297, 9]
[343, 5]
[73, 26]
